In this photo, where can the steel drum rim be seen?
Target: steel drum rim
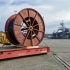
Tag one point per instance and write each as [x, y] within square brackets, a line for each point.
[42, 23]
[6, 28]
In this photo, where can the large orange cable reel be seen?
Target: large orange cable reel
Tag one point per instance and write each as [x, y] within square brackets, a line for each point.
[26, 28]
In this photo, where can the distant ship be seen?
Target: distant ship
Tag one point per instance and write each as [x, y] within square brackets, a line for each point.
[61, 33]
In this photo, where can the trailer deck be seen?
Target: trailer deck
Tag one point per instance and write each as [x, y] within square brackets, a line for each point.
[14, 51]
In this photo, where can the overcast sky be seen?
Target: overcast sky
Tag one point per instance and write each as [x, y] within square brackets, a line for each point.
[53, 11]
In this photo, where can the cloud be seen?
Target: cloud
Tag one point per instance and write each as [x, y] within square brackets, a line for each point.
[31, 2]
[53, 11]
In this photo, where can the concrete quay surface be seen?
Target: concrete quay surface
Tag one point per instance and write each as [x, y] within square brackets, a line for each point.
[42, 62]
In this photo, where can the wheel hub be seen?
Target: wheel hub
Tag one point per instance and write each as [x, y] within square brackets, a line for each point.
[30, 28]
